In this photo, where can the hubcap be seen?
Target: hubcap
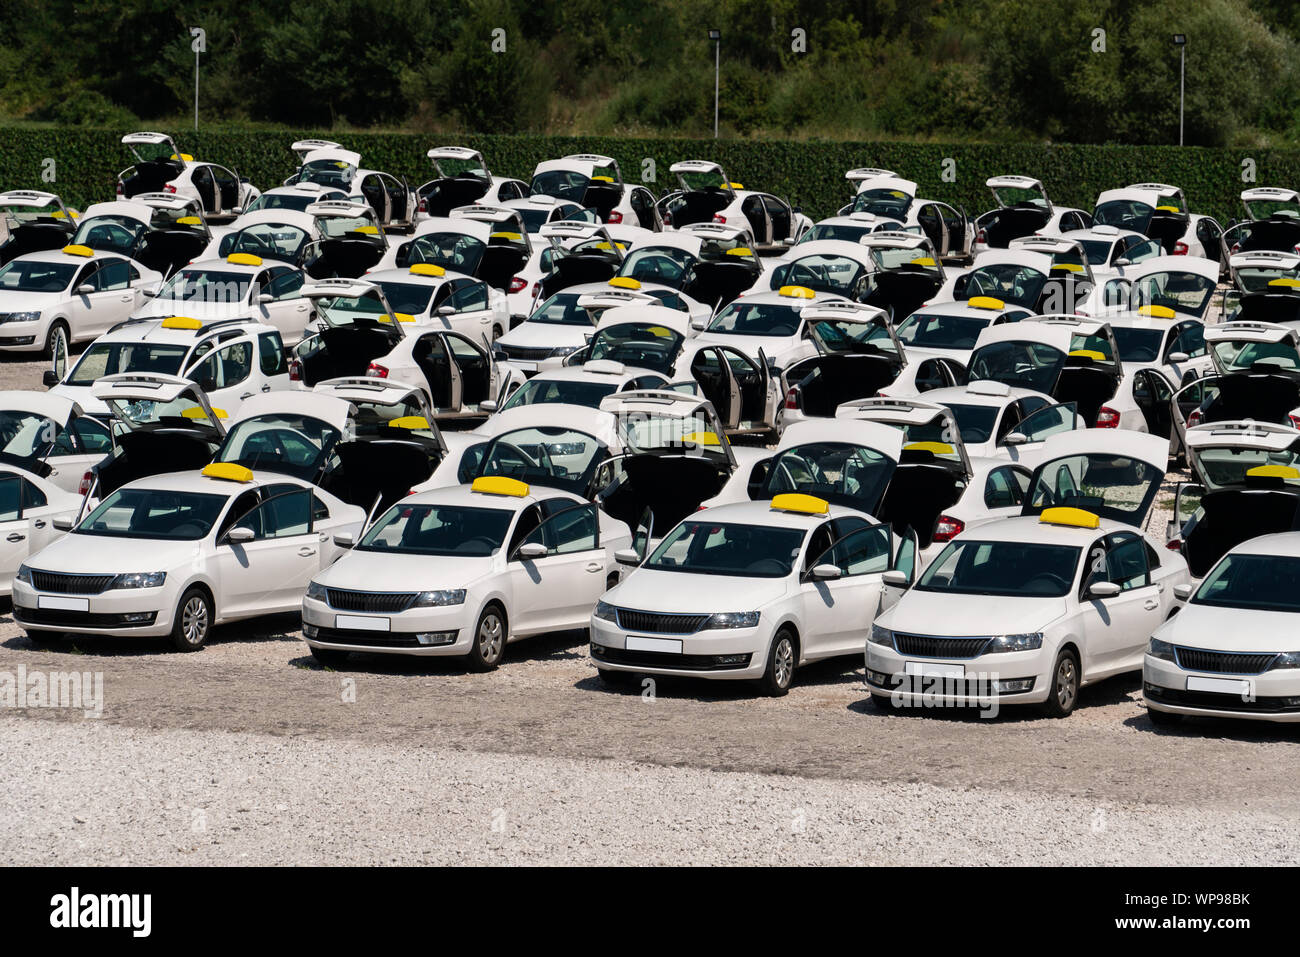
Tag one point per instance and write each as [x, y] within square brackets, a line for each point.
[194, 620]
[490, 638]
[783, 662]
[1065, 684]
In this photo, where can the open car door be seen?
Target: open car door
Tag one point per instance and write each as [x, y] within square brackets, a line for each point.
[858, 354]
[705, 190]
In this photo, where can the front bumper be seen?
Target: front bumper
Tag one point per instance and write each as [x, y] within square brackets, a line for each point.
[446, 630]
[725, 653]
[145, 612]
[918, 681]
[22, 336]
[1268, 696]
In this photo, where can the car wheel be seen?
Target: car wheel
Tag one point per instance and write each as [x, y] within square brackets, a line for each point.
[193, 621]
[1163, 719]
[56, 341]
[883, 703]
[330, 657]
[615, 679]
[1063, 694]
[780, 665]
[42, 639]
[489, 639]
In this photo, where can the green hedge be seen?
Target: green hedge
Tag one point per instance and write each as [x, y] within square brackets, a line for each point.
[812, 173]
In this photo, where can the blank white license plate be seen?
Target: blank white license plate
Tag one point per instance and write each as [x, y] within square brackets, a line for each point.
[361, 623]
[1234, 686]
[935, 669]
[637, 643]
[66, 604]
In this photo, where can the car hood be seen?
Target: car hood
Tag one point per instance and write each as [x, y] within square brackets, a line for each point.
[375, 571]
[102, 555]
[535, 335]
[154, 308]
[26, 301]
[670, 592]
[772, 346]
[934, 613]
[1231, 629]
[81, 395]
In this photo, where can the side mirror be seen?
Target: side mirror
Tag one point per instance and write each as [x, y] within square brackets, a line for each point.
[1103, 590]
[1123, 262]
[264, 298]
[62, 524]
[788, 241]
[50, 378]
[85, 289]
[825, 573]
[1015, 438]
[345, 539]
[488, 405]
[1179, 357]
[446, 311]
[238, 209]
[699, 325]
[238, 536]
[1182, 592]
[896, 578]
[149, 292]
[627, 556]
[530, 550]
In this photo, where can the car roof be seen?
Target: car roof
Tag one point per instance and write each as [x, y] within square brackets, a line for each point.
[465, 495]
[1282, 544]
[828, 247]
[873, 435]
[981, 392]
[597, 423]
[762, 513]
[963, 307]
[152, 329]
[59, 256]
[1031, 529]
[1017, 257]
[459, 224]
[193, 480]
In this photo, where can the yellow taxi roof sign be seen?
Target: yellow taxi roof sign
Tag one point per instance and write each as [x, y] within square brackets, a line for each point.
[410, 422]
[625, 282]
[740, 251]
[796, 292]
[181, 322]
[1274, 471]
[660, 332]
[367, 230]
[1289, 281]
[798, 502]
[701, 438]
[197, 412]
[513, 237]
[1157, 312]
[985, 302]
[244, 259]
[1092, 354]
[427, 269]
[1169, 209]
[184, 157]
[1076, 517]
[1068, 267]
[938, 448]
[228, 471]
[78, 250]
[923, 261]
[603, 179]
[736, 185]
[499, 485]
[189, 221]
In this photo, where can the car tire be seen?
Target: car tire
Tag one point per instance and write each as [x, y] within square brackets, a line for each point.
[616, 679]
[489, 643]
[1164, 719]
[883, 703]
[193, 621]
[1063, 693]
[330, 657]
[42, 639]
[781, 658]
[58, 331]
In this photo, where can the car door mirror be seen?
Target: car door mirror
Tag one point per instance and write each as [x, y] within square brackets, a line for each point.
[148, 292]
[345, 540]
[1123, 262]
[1015, 438]
[1179, 357]
[62, 524]
[1103, 590]
[446, 310]
[488, 405]
[699, 325]
[85, 289]
[238, 536]
[627, 556]
[1182, 592]
[531, 550]
[896, 578]
[824, 573]
[264, 298]
[50, 378]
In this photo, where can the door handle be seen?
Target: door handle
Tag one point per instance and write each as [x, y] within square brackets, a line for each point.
[39, 523]
[15, 537]
[1151, 604]
[595, 566]
[247, 395]
[306, 550]
[266, 387]
[324, 537]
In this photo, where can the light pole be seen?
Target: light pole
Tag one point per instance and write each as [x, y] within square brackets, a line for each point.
[1180, 41]
[199, 44]
[716, 37]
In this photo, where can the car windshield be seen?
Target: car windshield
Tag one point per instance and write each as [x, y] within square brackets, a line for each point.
[294, 444]
[560, 183]
[25, 436]
[325, 172]
[1010, 569]
[454, 251]
[562, 309]
[180, 412]
[1257, 278]
[1110, 485]
[371, 417]
[1097, 250]
[756, 319]
[1006, 281]
[30, 276]
[207, 286]
[408, 297]
[1129, 214]
[110, 233]
[1185, 292]
[974, 422]
[546, 455]
[1138, 345]
[108, 358]
[837, 274]
[839, 472]
[892, 203]
[1226, 465]
[661, 264]
[565, 391]
[271, 240]
[839, 336]
[842, 232]
[349, 227]
[1235, 355]
[1257, 582]
[935, 330]
[454, 530]
[715, 548]
[638, 344]
[1029, 365]
[295, 201]
[21, 213]
[154, 513]
[343, 310]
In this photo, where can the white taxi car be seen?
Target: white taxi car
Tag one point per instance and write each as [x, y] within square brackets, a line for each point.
[750, 591]
[1232, 649]
[434, 296]
[1030, 609]
[173, 555]
[161, 167]
[463, 571]
[29, 507]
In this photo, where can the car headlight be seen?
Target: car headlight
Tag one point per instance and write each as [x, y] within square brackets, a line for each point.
[1026, 642]
[438, 599]
[1160, 649]
[732, 619]
[19, 316]
[139, 580]
[881, 636]
[316, 592]
[605, 612]
[1287, 659]
[560, 351]
[24, 574]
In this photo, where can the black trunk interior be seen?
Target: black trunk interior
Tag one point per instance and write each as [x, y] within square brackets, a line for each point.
[345, 259]
[1167, 229]
[443, 195]
[825, 382]
[387, 467]
[34, 238]
[150, 177]
[1250, 395]
[602, 197]
[1272, 234]
[575, 270]
[919, 491]
[145, 453]
[1233, 516]
[902, 291]
[167, 250]
[672, 486]
[346, 351]
[718, 283]
[1013, 222]
[500, 264]
[1089, 386]
[698, 206]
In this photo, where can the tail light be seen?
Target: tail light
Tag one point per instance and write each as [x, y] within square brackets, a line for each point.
[981, 237]
[668, 219]
[87, 481]
[1295, 421]
[120, 190]
[614, 218]
[1107, 418]
[1175, 546]
[376, 371]
[518, 284]
[1180, 249]
[1194, 418]
[792, 397]
[537, 288]
[295, 370]
[947, 528]
[168, 188]
[1236, 248]
[719, 218]
[424, 205]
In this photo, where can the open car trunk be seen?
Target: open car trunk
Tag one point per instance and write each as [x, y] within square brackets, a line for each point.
[1167, 229]
[345, 351]
[825, 382]
[1013, 222]
[33, 238]
[575, 270]
[718, 283]
[150, 177]
[672, 486]
[345, 259]
[385, 468]
[154, 451]
[1278, 308]
[901, 291]
[1264, 396]
[919, 491]
[500, 264]
[1088, 386]
[167, 250]
[1282, 235]
[603, 197]
[1234, 515]
[698, 206]
[443, 195]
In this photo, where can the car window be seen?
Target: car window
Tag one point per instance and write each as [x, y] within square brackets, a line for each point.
[113, 274]
[1120, 559]
[11, 507]
[270, 352]
[227, 366]
[285, 284]
[863, 552]
[1048, 421]
[575, 529]
[1005, 487]
[469, 297]
[280, 516]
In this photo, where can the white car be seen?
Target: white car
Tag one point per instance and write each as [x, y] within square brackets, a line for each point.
[1156, 337]
[1159, 211]
[707, 195]
[950, 330]
[51, 437]
[1111, 250]
[1231, 651]
[295, 198]
[1023, 210]
[463, 571]
[1183, 284]
[433, 296]
[594, 182]
[33, 221]
[1031, 609]
[1051, 277]
[831, 265]
[769, 323]
[29, 507]
[640, 336]
[487, 242]
[394, 203]
[464, 178]
[1264, 271]
[585, 385]
[160, 231]
[851, 228]
[161, 168]
[351, 240]
[907, 273]
[1001, 421]
[175, 554]
[283, 235]
[887, 195]
[750, 591]
[49, 300]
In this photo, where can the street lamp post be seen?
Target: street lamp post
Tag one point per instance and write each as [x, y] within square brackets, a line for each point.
[716, 37]
[1180, 41]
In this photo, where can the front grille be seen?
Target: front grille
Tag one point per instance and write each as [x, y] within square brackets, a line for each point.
[663, 624]
[369, 601]
[1210, 701]
[927, 646]
[525, 352]
[71, 584]
[1223, 662]
[63, 618]
[663, 659]
[368, 639]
